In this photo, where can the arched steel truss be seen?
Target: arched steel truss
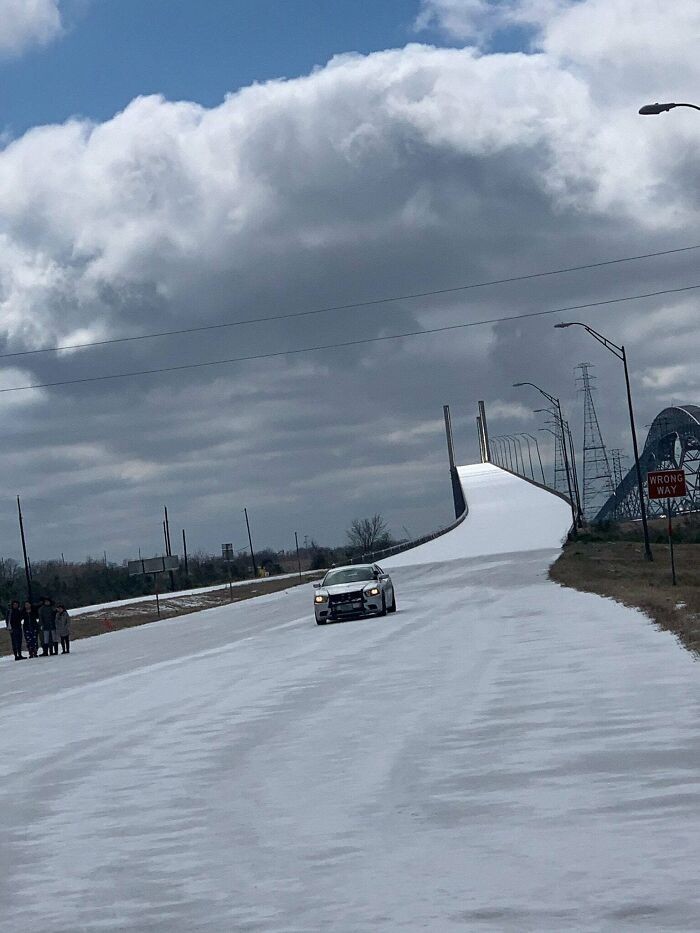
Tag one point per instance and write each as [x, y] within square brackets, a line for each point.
[673, 442]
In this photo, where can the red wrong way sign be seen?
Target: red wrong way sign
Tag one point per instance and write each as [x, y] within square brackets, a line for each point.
[666, 484]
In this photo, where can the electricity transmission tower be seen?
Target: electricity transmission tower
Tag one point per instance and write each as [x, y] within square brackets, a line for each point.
[598, 483]
[618, 468]
[559, 481]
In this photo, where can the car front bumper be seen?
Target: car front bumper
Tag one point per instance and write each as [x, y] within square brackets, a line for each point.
[355, 609]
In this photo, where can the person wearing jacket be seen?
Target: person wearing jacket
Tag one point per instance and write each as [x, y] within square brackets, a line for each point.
[63, 628]
[47, 624]
[31, 629]
[13, 620]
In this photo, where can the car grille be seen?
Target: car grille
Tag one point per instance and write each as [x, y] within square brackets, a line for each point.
[334, 601]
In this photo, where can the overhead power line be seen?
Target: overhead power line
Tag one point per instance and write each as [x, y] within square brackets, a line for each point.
[347, 307]
[349, 343]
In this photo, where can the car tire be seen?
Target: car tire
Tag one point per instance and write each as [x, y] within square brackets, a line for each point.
[320, 621]
[383, 610]
[392, 608]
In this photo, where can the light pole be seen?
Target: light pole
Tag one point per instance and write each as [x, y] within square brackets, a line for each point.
[557, 404]
[650, 109]
[574, 470]
[506, 452]
[518, 449]
[529, 453]
[512, 454]
[619, 352]
[500, 460]
[537, 448]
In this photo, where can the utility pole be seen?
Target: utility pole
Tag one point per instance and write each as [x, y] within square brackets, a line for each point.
[574, 472]
[184, 551]
[168, 548]
[296, 541]
[27, 571]
[250, 542]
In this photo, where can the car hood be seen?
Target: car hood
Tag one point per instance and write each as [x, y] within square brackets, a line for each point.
[339, 588]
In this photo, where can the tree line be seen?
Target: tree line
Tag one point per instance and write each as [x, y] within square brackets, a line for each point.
[83, 583]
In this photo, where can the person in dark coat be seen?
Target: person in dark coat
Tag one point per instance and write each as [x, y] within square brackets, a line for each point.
[31, 629]
[63, 627]
[13, 620]
[47, 624]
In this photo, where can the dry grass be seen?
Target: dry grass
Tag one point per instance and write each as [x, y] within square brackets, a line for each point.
[141, 613]
[618, 569]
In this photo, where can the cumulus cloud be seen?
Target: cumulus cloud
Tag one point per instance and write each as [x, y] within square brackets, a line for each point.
[27, 23]
[479, 20]
[393, 173]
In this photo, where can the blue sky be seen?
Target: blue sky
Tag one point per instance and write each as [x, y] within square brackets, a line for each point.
[188, 49]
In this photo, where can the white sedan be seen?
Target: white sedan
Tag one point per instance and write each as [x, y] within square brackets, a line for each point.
[355, 590]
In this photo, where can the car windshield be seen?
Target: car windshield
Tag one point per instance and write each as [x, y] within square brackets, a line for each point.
[348, 575]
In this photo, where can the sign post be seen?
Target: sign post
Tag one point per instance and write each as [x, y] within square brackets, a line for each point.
[154, 565]
[227, 554]
[667, 484]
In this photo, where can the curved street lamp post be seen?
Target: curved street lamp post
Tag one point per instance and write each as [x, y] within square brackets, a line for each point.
[518, 447]
[537, 448]
[557, 404]
[574, 469]
[512, 454]
[505, 452]
[619, 352]
[529, 453]
[502, 451]
[651, 109]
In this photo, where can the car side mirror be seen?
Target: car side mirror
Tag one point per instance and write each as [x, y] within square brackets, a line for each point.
[316, 584]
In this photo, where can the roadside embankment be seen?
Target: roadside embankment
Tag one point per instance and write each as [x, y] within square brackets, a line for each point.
[618, 569]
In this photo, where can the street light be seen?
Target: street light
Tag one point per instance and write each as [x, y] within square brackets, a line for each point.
[555, 401]
[619, 352]
[529, 452]
[512, 454]
[518, 447]
[574, 469]
[566, 436]
[502, 455]
[537, 448]
[650, 109]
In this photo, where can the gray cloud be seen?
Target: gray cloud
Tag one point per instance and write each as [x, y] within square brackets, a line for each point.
[402, 171]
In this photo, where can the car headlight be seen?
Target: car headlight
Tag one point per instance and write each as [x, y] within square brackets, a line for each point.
[375, 591]
[321, 598]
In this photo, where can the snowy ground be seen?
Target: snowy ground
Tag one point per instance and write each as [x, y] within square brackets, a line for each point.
[500, 755]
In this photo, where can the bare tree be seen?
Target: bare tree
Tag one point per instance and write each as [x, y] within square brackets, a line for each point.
[368, 534]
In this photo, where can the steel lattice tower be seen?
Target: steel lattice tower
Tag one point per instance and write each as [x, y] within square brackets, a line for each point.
[598, 483]
[616, 457]
[559, 483]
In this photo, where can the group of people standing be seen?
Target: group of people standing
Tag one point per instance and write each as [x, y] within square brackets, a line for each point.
[38, 626]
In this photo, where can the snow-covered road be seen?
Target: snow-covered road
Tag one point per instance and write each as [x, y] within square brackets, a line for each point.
[500, 755]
